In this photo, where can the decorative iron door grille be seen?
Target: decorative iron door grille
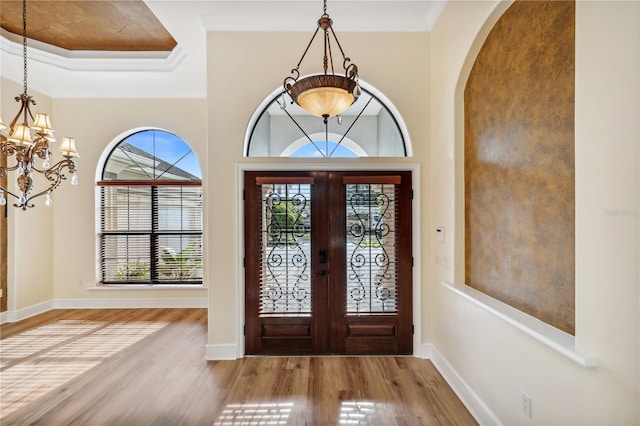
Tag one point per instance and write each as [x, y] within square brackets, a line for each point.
[370, 249]
[285, 288]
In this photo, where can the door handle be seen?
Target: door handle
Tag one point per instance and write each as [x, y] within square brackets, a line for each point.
[323, 256]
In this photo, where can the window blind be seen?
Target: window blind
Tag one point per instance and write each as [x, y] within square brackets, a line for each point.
[151, 233]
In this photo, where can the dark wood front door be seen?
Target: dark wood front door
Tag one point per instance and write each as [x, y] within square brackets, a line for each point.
[328, 263]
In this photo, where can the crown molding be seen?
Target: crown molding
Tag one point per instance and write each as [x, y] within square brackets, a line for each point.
[11, 44]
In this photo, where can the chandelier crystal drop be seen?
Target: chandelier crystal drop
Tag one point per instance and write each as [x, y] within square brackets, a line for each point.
[28, 139]
[328, 94]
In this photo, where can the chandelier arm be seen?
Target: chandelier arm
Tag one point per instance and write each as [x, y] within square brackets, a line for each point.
[40, 148]
[290, 81]
[8, 192]
[345, 59]
[350, 71]
[303, 132]
[25, 100]
[9, 148]
[327, 47]
[344, 135]
[55, 176]
[307, 49]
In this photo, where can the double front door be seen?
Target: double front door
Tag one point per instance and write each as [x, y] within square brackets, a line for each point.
[328, 263]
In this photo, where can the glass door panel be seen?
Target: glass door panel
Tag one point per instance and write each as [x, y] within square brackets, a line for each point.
[370, 249]
[285, 284]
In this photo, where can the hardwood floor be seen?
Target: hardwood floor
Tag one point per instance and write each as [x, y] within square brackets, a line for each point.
[147, 367]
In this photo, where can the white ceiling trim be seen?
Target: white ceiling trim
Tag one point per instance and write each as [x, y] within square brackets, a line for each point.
[91, 60]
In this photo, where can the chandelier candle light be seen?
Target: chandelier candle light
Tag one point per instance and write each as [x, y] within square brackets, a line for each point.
[28, 142]
[328, 94]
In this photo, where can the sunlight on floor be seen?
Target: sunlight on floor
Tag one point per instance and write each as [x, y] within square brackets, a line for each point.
[357, 412]
[38, 361]
[278, 413]
[265, 413]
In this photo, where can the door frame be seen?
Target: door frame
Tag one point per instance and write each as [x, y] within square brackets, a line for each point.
[321, 165]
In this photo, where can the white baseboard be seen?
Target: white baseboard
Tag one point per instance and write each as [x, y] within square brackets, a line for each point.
[29, 311]
[222, 352]
[129, 303]
[478, 409]
[423, 351]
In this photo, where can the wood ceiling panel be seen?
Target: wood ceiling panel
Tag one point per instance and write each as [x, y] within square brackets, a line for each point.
[89, 25]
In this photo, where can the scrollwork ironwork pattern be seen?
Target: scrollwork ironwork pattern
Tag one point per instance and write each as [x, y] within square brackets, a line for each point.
[285, 287]
[371, 241]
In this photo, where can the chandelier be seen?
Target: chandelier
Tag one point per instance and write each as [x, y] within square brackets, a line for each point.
[28, 139]
[328, 94]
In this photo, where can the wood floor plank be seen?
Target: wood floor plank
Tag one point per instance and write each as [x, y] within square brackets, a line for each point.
[147, 367]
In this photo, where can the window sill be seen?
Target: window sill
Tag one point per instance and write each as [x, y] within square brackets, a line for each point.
[541, 331]
[146, 287]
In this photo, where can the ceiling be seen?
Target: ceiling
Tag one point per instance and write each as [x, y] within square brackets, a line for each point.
[157, 48]
[89, 25]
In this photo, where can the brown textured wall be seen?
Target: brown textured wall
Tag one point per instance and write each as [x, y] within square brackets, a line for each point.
[519, 162]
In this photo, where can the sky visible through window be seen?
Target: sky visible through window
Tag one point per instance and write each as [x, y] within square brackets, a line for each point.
[173, 150]
[311, 150]
[167, 147]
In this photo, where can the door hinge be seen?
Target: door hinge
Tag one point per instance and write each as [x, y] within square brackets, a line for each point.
[244, 193]
[244, 262]
[244, 330]
[413, 329]
[412, 262]
[412, 194]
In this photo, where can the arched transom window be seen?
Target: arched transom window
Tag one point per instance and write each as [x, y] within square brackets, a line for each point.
[371, 127]
[150, 211]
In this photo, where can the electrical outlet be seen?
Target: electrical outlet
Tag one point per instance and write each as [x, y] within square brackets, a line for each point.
[525, 404]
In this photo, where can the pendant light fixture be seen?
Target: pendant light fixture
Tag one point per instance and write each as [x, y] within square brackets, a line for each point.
[327, 94]
[28, 140]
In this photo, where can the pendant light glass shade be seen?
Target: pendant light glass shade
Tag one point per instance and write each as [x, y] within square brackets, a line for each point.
[324, 95]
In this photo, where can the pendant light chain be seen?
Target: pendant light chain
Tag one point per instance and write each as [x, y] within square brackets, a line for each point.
[24, 42]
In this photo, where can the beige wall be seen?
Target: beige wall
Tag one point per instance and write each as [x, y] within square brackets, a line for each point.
[95, 123]
[243, 69]
[496, 360]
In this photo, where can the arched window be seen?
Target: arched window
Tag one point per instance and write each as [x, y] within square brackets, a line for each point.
[150, 211]
[371, 127]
